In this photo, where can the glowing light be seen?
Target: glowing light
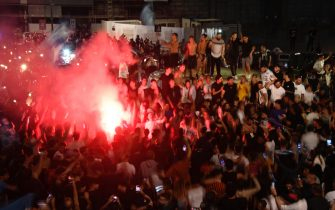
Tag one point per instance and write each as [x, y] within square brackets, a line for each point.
[9, 61]
[3, 66]
[19, 57]
[78, 64]
[67, 55]
[11, 53]
[112, 114]
[14, 101]
[4, 87]
[24, 67]
[4, 47]
[41, 55]
[30, 94]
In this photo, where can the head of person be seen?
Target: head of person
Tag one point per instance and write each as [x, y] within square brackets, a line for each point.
[182, 68]
[203, 37]
[243, 79]
[276, 69]
[187, 84]
[218, 79]
[153, 84]
[191, 39]
[298, 80]
[286, 76]
[263, 48]
[234, 36]
[260, 85]
[174, 36]
[168, 71]
[132, 84]
[264, 68]
[230, 80]
[219, 35]
[144, 81]
[277, 84]
[245, 38]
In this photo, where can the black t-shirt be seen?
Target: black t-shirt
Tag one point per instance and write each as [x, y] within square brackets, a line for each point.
[246, 49]
[279, 75]
[165, 83]
[317, 203]
[174, 95]
[230, 92]
[233, 204]
[216, 88]
[289, 86]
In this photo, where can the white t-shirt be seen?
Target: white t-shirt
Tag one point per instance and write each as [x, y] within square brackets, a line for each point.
[267, 76]
[310, 140]
[308, 97]
[262, 92]
[299, 89]
[126, 169]
[299, 205]
[318, 66]
[330, 197]
[276, 93]
[217, 48]
[312, 116]
[207, 91]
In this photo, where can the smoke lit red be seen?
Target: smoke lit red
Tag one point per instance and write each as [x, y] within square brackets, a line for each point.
[84, 93]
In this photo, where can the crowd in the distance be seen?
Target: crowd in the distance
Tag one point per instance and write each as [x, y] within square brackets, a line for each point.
[196, 141]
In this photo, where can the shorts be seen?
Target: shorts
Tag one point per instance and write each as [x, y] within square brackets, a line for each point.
[192, 62]
[245, 61]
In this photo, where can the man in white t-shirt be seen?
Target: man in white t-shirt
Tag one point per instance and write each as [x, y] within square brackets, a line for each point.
[125, 169]
[262, 94]
[299, 88]
[267, 76]
[217, 53]
[277, 91]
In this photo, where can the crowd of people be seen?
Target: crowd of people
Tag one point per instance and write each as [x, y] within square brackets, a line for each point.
[195, 141]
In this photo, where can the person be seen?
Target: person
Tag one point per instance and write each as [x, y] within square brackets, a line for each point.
[233, 53]
[277, 91]
[319, 64]
[230, 91]
[188, 94]
[278, 73]
[217, 90]
[288, 85]
[243, 89]
[267, 76]
[246, 54]
[142, 89]
[191, 56]
[299, 88]
[173, 46]
[262, 95]
[201, 55]
[208, 88]
[217, 46]
[265, 57]
[293, 37]
[165, 78]
[231, 201]
[173, 94]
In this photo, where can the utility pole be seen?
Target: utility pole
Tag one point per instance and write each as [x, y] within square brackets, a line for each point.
[110, 9]
[51, 14]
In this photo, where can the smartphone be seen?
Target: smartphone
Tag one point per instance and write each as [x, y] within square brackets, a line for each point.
[273, 185]
[184, 148]
[138, 188]
[264, 155]
[159, 188]
[222, 163]
[299, 148]
[329, 142]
